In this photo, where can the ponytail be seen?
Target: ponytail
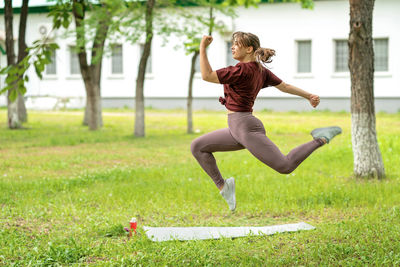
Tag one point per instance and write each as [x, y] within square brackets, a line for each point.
[264, 55]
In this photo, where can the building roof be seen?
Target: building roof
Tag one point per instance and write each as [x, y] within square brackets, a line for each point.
[32, 3]
[43, 6]
[35, 6]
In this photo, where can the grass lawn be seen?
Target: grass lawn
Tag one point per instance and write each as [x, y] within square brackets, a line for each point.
[66, 193]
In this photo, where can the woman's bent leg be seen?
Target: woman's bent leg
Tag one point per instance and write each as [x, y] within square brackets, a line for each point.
[203, 147]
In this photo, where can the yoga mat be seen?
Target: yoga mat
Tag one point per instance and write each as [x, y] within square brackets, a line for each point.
[200, 233]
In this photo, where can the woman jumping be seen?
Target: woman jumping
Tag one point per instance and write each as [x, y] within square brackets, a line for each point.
[241, 86]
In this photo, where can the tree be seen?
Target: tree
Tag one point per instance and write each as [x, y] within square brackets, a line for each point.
[91, 73]
[367, 156]
[195, 55]
[22, 114]
[158, 18]
[15, 103]
[139, 130]
[89, 31]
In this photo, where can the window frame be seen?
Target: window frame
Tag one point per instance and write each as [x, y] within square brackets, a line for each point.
[387, 56]
[335, 56]
[112, 60]
[304, 73]
[70, 49]
[52, 75]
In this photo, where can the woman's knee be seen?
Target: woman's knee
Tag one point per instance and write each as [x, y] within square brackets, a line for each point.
[195, 147]
[284, 168]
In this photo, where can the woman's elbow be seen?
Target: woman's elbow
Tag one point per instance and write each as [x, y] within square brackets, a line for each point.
[282, 87]
[206, 77]
[211, 77]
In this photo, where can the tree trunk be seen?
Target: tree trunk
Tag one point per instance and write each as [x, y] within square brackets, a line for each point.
[22, 114]
[367, 156]
[91, 74]
[86, 115]
[95, 66]
[139, 130]
[93, 106]
[190, 94]
[99, 110]
[12, 107]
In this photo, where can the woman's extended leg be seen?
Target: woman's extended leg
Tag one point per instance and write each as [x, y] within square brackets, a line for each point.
[266, 151]
[250, 132]
[203, 147]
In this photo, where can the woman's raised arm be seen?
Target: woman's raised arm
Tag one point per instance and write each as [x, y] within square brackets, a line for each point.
[207, 74]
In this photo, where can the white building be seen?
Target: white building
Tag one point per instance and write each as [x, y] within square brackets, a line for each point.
[311, 50]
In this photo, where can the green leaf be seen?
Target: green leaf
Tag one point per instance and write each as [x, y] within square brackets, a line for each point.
[26, 78]
[307, 4]
[21, 83]
[54, 46]
[6, 69]
[11, 78]
[65, 23]
[45, 61]
[22, 89]
[37, 69]
[57, 24]
[5, 89]
[78, 8]
[21, 70]
[13, 95]
[47, 54]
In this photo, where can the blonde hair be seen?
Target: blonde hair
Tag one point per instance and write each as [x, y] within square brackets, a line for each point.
[246, 39]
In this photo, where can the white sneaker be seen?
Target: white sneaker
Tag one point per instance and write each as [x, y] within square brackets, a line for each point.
[328, 133]
[228, 193]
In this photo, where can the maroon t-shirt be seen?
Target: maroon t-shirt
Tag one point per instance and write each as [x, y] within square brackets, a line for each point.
[242, 84]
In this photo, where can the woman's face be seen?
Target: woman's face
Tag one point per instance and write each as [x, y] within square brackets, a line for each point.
[239, 52]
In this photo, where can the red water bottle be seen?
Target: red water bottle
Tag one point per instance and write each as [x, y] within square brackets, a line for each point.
[133, 225]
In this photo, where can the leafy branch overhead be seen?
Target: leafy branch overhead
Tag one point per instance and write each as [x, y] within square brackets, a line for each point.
[39, 55]
[41, 51]
[195, 23]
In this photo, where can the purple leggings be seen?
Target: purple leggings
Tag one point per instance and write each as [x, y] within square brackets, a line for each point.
[246, 131]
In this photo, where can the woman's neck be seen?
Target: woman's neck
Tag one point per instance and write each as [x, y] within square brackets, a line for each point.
[248, 58]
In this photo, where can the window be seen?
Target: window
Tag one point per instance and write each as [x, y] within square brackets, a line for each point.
[229, 59]
[381, 54]
[303, 56]
[341, 56]
[51, 68]
[74, 67]
[149, 67]
[116, 60]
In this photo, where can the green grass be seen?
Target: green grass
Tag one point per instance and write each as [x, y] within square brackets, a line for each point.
[66, 193]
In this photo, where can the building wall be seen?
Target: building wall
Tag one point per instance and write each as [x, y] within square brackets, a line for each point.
[278, 26]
